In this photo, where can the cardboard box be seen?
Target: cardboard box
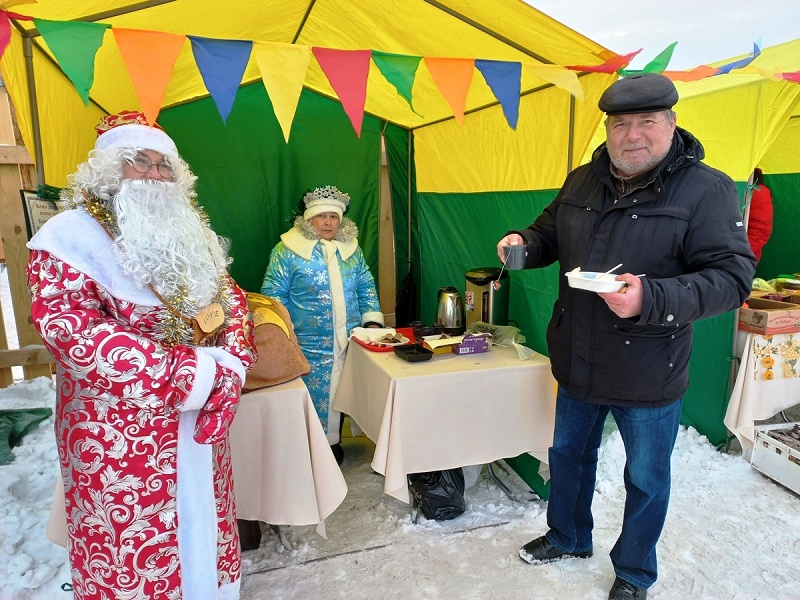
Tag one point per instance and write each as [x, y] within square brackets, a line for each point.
[769, 317]
[776, 459]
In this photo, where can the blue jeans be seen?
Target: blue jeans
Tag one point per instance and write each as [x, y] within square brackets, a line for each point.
[649, 436]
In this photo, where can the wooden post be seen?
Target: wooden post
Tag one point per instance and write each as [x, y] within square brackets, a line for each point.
[14, 234]
[386, 253]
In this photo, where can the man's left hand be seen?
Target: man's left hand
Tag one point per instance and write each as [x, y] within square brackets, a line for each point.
[628, 301]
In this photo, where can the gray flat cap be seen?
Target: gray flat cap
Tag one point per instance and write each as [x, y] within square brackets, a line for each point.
[645, 92]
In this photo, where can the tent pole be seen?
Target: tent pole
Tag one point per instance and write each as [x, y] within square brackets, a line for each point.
[571, 140]
[37, 134]
[408, 185]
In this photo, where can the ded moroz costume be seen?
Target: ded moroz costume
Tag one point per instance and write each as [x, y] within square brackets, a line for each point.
[152, 339]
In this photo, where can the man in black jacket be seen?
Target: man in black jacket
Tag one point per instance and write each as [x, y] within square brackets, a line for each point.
[645, 201]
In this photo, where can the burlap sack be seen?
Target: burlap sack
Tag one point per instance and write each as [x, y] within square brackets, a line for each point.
[279, 357]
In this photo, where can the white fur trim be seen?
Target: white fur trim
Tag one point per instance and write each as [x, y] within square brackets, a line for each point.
[298, 243]
[230, 591]
[136, 136]
[76, 238]
[204, 377]
[227, 360]
[317, 208]
[197, 514]
[372, 317]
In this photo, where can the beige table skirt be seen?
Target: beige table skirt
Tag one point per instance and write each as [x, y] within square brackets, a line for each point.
[283, 468]
[768, 381]
[447, 412]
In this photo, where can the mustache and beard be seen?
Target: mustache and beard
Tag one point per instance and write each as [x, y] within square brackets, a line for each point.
[163, 242]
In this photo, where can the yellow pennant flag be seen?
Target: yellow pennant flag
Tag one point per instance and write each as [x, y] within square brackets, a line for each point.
[561, 77]
[150, 58]
[283, 71]
[452, 76]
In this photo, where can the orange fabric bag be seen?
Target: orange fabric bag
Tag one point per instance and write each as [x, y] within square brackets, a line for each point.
[279, 357]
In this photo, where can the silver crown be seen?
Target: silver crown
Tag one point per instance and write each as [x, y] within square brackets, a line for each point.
[327, 193]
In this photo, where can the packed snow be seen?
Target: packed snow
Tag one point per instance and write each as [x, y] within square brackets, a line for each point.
[731, 533]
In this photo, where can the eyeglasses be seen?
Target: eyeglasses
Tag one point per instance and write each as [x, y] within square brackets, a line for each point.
[142, 164]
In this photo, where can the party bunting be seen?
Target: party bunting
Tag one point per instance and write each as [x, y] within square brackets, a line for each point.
[5, 28]
[695, 74]
[283, 70]
[610, 66]
[74, 45]
[658, 65]
[738, 64]
[347, 72]
[557, 75]
[400, 70]
[221, 64]
[505, 79]
[149, 57]
[453, 77]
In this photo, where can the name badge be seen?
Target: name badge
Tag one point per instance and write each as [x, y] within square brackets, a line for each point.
[210, 318]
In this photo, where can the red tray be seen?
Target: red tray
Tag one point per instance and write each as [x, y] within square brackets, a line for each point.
[406, 332]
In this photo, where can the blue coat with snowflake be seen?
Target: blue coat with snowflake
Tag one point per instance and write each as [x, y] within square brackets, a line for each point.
[328, 289]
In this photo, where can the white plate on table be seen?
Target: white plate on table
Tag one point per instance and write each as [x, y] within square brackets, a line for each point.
[594, 282]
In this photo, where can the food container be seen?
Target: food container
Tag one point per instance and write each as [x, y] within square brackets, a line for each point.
[472, 344]
[776, 454]
[413, 353]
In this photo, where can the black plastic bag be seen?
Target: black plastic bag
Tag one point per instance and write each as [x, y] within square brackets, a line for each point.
[439, 494]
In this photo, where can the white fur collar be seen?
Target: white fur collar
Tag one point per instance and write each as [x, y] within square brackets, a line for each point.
[76, 238]
[302, 238]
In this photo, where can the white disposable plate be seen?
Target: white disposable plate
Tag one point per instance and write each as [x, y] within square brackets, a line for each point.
[594, 282]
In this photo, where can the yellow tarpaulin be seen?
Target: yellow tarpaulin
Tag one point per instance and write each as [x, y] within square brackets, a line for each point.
[483, 154]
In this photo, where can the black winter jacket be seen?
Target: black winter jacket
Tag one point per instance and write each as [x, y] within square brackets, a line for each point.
[683, 229]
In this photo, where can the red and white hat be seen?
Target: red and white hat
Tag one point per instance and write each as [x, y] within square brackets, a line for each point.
[130, 129]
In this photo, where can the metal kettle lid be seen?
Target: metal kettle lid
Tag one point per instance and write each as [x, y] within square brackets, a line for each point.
[483, 275]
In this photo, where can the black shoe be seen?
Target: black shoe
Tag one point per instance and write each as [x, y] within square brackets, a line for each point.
[540, 551]
[338, 453]
[625, 590]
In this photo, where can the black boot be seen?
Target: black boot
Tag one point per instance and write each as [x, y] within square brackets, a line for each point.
[338, 453]
[540, 551]
[625, 590]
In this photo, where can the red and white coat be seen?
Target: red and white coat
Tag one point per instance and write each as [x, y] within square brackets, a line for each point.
[150, 511]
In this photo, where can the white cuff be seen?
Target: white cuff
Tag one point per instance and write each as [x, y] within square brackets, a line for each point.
[227, 360]
[204, 377]
[372, 317]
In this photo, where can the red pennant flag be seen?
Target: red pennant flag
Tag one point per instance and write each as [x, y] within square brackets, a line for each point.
[610, 66]
[149, 57]
[795, 77]
[5, 28]
[347, 72]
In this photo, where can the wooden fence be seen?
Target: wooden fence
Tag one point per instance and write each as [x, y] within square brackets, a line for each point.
[17, 172]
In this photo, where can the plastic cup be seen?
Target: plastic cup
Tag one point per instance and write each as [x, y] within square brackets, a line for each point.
[515, 256]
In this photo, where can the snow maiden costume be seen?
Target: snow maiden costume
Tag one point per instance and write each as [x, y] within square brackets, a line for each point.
[142, 415]
[328, 289]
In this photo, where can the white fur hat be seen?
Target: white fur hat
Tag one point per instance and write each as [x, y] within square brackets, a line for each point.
[130, 129]
[325, 199]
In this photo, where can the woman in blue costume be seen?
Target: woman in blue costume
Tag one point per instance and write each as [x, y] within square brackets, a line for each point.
[318, 272]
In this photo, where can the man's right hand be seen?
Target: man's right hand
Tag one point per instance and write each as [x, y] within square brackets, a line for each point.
[512, 239]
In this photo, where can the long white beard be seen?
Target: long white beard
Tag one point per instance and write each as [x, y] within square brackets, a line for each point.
[163, 242]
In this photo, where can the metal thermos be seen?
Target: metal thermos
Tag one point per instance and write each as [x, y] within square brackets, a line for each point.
[481, 301]
[450, 311]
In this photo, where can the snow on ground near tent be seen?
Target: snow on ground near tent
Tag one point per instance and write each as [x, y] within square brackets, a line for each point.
[731, 533]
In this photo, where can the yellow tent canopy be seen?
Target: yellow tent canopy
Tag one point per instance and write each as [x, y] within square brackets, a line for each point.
[483, 154]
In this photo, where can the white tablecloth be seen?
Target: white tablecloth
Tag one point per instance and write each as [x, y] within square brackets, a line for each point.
[449, 411]
[283, 468]
[768, 382]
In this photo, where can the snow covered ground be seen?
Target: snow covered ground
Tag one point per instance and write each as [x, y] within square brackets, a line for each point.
[731, 533]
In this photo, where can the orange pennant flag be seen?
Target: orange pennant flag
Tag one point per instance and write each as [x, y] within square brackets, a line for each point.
[695, 74]
[612, 65]
[149, 57]
[452, 76]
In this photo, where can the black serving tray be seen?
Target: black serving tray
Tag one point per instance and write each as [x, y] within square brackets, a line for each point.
[413, 352]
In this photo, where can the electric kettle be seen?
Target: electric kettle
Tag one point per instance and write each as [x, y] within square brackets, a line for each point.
[450, 311]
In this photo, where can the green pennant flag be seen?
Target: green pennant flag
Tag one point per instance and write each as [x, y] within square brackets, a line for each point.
[399, 70]
[658, 65]
[74, 45]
